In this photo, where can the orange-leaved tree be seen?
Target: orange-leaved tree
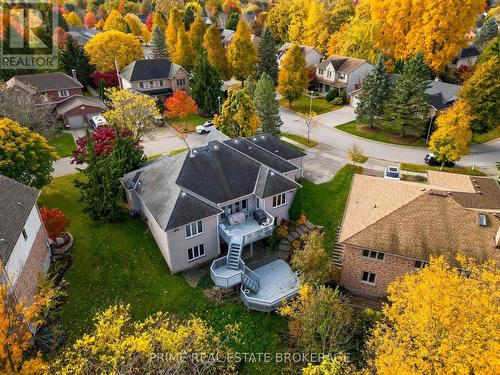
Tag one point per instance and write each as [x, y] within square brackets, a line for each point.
[55, 221]
[17, 320]
[180, 105]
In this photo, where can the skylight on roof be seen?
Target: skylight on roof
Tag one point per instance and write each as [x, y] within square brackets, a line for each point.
[483, 220]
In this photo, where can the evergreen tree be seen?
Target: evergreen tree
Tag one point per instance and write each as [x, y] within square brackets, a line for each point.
[232, 22]
[293, 76]
[407, 106]
[158, 43]
[205, 84]
[73, 57]
[188, 17]
[241, 53]
[375, 90]
[487, 32]
[268, 52]
[266, 105]
[216, 53]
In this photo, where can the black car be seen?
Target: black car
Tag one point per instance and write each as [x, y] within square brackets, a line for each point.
[431, 160]
[260, 217]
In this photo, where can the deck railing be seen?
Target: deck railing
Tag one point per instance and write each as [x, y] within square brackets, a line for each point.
[253, 236]
[264, 305]
[223, 281]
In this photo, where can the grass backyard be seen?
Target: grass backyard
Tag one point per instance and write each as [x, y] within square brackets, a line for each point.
[423, 168]
[121, 263]
[302, 105]
[191, 122]
[381, 134]
[63, 143]
[324, 204]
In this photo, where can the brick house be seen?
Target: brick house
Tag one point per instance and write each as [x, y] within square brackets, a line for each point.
[24, 249]
[391, 228]
[62, 92]
[157, 78]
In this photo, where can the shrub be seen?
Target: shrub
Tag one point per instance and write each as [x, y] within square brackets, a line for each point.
[343, 96]
[331, 95]
[337, 101]
[282, 231]
[55, 221]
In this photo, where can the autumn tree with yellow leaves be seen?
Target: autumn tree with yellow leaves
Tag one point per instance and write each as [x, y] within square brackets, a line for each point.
[159, 344]
[440, 320]
[104, 48]
[115, 21]
[134, 24]
[25, 156]
[437, 28]
[238, 117]
[184, 54]
[293, 76]
[453, 135]
[312, 260]
[73, 19]
[16, 338]
[175, 24]
[241, 53]
[130, 110]
[216, 53]
[196, 33]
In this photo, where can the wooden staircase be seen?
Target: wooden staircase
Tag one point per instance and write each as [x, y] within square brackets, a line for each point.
[338, 250]
[234, 254]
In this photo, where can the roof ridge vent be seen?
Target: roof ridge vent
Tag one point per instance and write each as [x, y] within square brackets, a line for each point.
[438, 193]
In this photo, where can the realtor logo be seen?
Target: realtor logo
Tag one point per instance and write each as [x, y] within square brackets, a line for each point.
[26, 35]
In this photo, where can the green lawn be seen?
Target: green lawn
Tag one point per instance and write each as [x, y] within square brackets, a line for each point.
[423, 168]
[381, 134]
[121, 263]
[486, 137]
[302, 105]
[300, 139]
[324, 204]
[63, 143]
[192, 122]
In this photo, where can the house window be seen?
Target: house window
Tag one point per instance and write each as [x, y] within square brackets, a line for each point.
[181, 82]
[341, 76]
[368, 277]
[373, 254]
[421, 264]
[196, 252]
[320, 71]
[194, 229]
[279, 200]
[329, 74]
[63, 93]
[25, 235]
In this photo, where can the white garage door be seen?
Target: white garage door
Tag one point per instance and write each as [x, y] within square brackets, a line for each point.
[75, 122]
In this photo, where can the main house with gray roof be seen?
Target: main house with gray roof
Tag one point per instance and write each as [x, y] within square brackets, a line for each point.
[216, 200]
[391, 228]
[24, 249]
[154, 77]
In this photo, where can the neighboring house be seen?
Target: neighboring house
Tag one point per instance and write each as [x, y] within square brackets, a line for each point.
[61, 91]
[201, 203]
[467, 57]
[157, 78]
[391, 228]
[227, 37]
[24, 249]
[82, 35]
[312, 56]
[341, 72]
[440, 95]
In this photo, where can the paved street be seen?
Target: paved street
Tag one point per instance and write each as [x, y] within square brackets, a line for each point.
[325, 133]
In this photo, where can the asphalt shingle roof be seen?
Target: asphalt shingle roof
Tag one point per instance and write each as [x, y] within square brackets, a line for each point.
[16, 203]
[271, 183]
[276, 147]
[143, 70]
[261, 155]
[49, 81]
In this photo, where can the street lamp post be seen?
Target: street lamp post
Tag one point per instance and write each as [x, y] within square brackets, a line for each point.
[311, 102]
[218, 99]
[431, 121]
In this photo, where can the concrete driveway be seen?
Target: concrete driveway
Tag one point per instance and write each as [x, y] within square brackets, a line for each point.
[338, 117]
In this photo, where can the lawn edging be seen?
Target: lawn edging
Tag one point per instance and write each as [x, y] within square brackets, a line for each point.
[420, 168]
[300, 139]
